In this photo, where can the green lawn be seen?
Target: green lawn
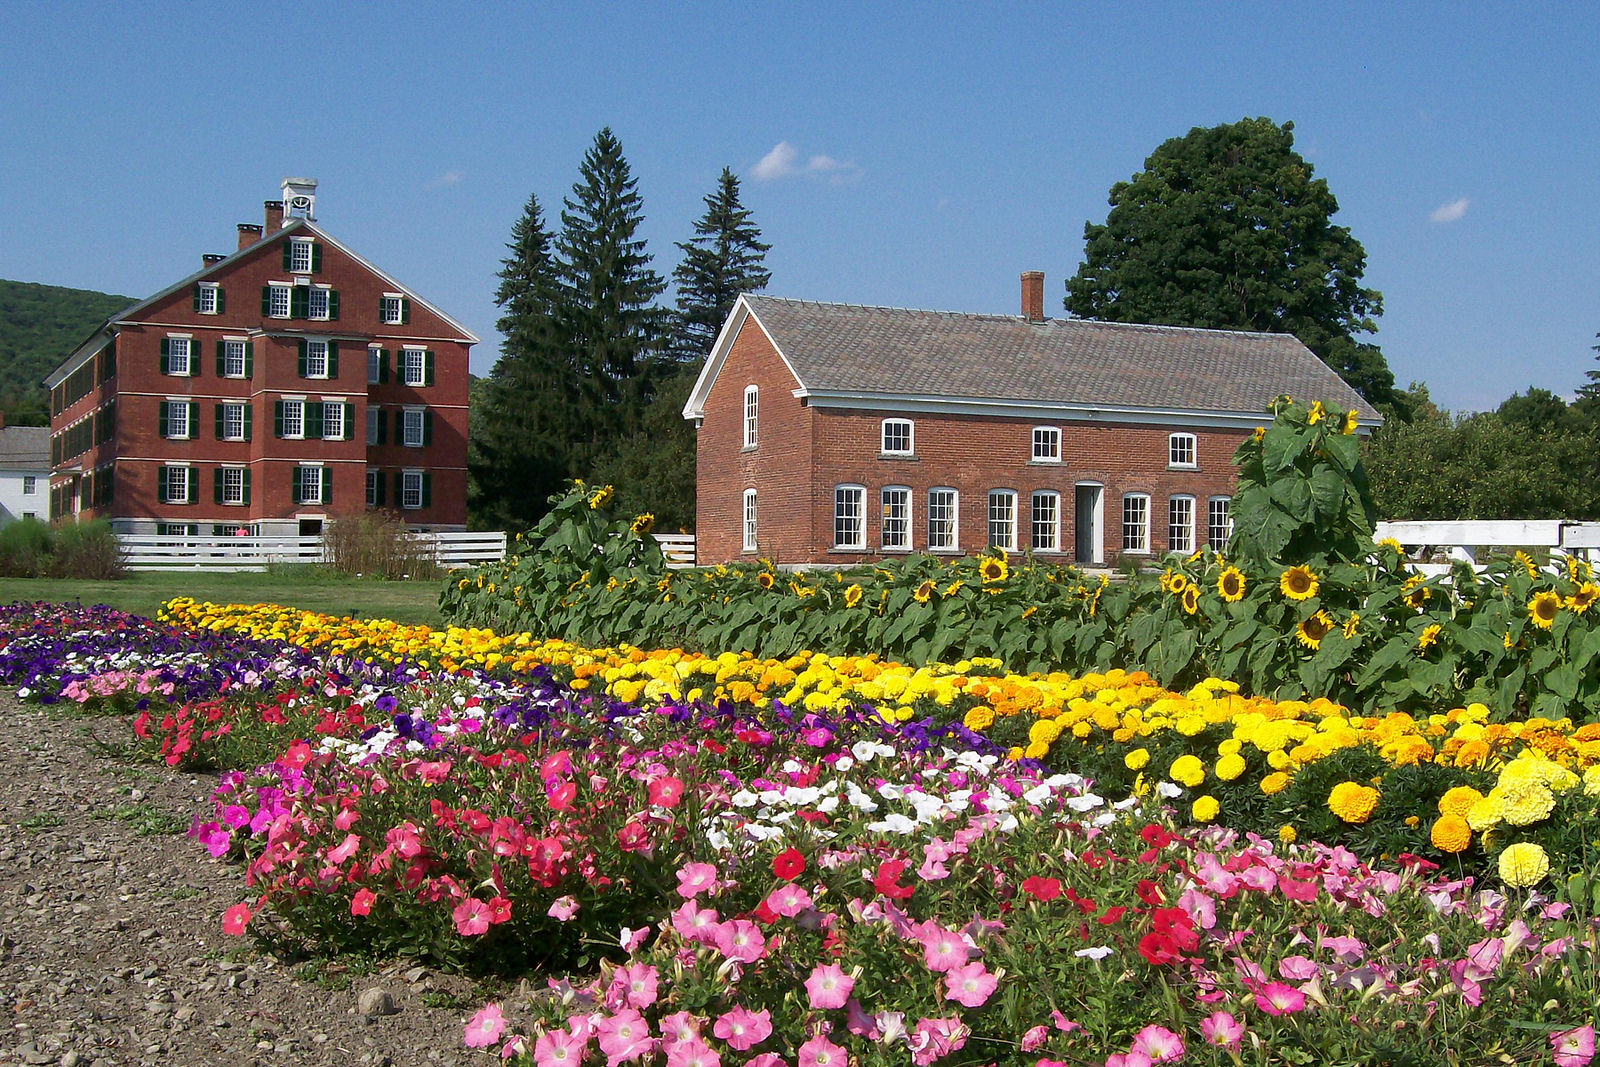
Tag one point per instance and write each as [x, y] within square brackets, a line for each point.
[310, 590]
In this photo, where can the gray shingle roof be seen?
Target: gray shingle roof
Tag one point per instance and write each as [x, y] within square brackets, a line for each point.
[846, 348]
[25, 447]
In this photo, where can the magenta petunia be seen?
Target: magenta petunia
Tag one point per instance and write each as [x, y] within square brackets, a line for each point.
[970, 984]
[829, 986]
[1573, 1048]
[743, 1029]
[1222, 1029]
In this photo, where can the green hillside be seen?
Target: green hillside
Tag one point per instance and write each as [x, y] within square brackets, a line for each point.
[39, 325]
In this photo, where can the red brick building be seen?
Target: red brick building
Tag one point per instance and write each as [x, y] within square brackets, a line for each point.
[833, 434]
[282, 386]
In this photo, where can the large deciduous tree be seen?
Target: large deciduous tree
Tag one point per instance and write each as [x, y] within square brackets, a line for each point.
[1227, 228]
[725, 257]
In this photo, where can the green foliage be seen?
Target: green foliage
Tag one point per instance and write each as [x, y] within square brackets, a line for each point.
[39, 325]
[1226, 228]
[726, 257]
[653, 470]
[31, 549]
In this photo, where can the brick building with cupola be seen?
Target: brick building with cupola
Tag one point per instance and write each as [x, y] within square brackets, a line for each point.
[280, 387]
[833, 434]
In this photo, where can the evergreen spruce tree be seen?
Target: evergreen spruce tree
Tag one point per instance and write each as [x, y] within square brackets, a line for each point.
[725, 257]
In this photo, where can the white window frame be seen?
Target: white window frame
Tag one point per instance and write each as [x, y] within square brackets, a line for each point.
[208, 298]
[301, 254]
[1050, 436]
[333, 419]
[233, 347]
[373, 415]
[233, 495]
[176, 404]
[280, 300]
[30, 484]
[748, 542]
[188, 344]
[187, 478]
[1136, 523]
[1178, 445]
[410, 483]
[420, 356]
[229, 411]
[1050, 528]
[322, 483]
[1217, 534]
[939, 524]
[296, 406]
[319, 304]
[752, 411]
[374, 479]
[1180, 530]
[406, 422]
[316, 349]
[850, 508]
[374, 364]
[893, 499]
[910, 448]
[1002, 531]
[396, 302]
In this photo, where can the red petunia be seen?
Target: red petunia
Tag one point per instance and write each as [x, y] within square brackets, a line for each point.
[1149, 892]
[1156, 835]
[1111, 915]
[666, 791]
[1042, 888]
[788, 864]
[885, 880]
[235, 919]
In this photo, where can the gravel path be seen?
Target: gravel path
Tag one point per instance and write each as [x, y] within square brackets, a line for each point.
[111, 947]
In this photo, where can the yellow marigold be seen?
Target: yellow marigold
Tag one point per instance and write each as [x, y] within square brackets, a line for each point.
[1205, 809]
[1287, 834]
[1136, 760]
[1543, 609]
[1187, 770]
[1428, 636]
[1459, 800]
[1584, 598]
[1046, 730]
[1353, 803]
[1230, 584]
[1484, 813]
[1230, 767]
[852, 595]
[1037, 750]
[1298, 583]
[993, 569]
[1524, 864]
[1524, 802]
[978, 718]
[1450, 833]
[1190, 599]
[1311, 631]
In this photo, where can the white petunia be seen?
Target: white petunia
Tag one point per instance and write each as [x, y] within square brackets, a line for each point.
[1099, 952]
[893, 824]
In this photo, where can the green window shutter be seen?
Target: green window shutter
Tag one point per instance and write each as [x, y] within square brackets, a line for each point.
[194, 420]
[266, 300]
[216, 484]
[249, 358]
[294, 484]
[383, 365]
[326, 474]
[219, 422]
[166, 354]
[427, 427]
[161, 484]
[333, 359]
[247, 485]
[288, 254]
[383, 425]
[222, 300]
[316, 256]
[428, 368]
[380, 486]
[300, 302]
[399, 427]
[222, 358]
[247, 420]
[302, 370]
[161, 422]
[349, 422]
[192, 486]
[277, 418]
[196, 296]
[333, 304]
[194, 359]
[405, 310]
[312, 419]
[427, 489]
[399, 489]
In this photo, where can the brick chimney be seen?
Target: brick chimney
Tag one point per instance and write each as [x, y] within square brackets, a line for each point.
[274, 209]
[249, 234]
[1033, 295]
[211, 258]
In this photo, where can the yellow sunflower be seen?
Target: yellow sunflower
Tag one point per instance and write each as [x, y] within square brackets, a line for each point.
[600, 497]
[1348, 426]
[925, 591]
[1584, 598]
[1190, 599]
[643, 524]
[1176, 583]
[765, 579]
[852, 595]
[1527, 563]
[1311, 631]
[1351, 625]
[1258, 434]
[993, 569]
[1298, 583]
[1543, 609]
[1230, 584]
[1428, 636]
[1414, 592]
[1316, 414]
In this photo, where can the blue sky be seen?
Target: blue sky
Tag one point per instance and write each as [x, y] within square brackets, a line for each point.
[935, 152]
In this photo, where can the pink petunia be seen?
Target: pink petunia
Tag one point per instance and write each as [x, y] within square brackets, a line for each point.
[820, 1052]
[696, 878]
[635, 984]
[1275, 998]
[472, 917]
[743, 1029]
[829, 987]
[345, 849]
[666, 791]
[933, 1039]
[1573, 1048]
[696, 924]
[563, 909]
[742, 940]
[558, 1048]
[1297, 969]
[766, 1059]
[789, 900]
[1035, 1038]
[692, 1053]
[1159, 1043]
[971, 985]
[1222, 1029]
[1128, 1059]
[236, 919]
[943, 949]
[485, 1028]
[361, 903]
[624, 1036]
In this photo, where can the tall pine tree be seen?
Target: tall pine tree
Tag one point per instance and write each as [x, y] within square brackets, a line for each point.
[525, 420]
[725, 257]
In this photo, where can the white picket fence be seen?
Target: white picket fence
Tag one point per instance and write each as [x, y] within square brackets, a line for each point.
[678, 548]
[152, 552]
[1461, 540]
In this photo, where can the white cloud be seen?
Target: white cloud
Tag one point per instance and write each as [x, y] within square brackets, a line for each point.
[448, 178]
[834, 170]
[778, 163]
[1450, 212]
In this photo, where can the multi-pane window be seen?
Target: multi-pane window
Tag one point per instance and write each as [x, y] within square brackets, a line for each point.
[1046, 444]
[233, 359]
[896, 529]
[749, 541]
[942, 505]
[1003, 519]
[30, 484]
[374, 488]
[413, 428]
[849, 516]
[897, 437]
[233, 422]
[411, 489]
[1180, 524]
[333, 420]
[177, 529]
[280, 299]
[1180, 450]
[1219, 522]
[391, 309]
[317, 303]
[294, 418]
[416, 366]
[751, 405]
[1046, 521]
[374, 365]
[374, 422]
[1136, 523]
[233, 485]
[300, 254]
[316, 359]
[177, 420]
[310, 485]
[179, 351]
[173, 485]
[208, 298]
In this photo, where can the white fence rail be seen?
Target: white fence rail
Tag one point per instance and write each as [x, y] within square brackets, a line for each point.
[153, 552]
[1461, 540]
[678, 548]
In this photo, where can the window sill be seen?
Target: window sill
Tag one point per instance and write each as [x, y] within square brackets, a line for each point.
[953, 550]
[748, 448]
[888, 551]
[1036, 462]
[909, 457]
[848, 549]
[1183, 466]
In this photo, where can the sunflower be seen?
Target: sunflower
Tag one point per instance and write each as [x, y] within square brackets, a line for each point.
[1527, 563]
[1298, 583]
[925, 591]
[765, 579]
[802, 591]
[1311, 631]
[950, 590]
[1584, 598]
[1351, 624]
[1177, 583]
[600, 498]
[1348, 426]
[1258, 434]
[1428, 637]
[993, 569]
[1316, 414]
[643, 524]
[1414, 592]
[1190, 599]
[1543, 609]
[1230, 584]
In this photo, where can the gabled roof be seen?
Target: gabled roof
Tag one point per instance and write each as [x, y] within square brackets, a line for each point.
[96, 340]
[25, 448]
[848, 355]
